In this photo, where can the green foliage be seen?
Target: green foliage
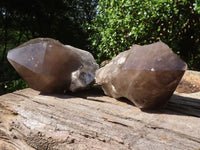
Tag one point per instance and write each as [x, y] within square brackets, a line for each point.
[197, 6]
[119, 24]
[10, 86]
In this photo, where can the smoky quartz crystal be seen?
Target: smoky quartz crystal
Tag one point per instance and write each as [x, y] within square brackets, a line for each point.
[49, 66]
[146, 75]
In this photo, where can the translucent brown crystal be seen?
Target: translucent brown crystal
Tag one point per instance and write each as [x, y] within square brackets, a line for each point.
[146, 75]
[49, 66]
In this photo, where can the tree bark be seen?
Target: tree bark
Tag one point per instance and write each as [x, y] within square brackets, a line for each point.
[5, 36]
[87, 120]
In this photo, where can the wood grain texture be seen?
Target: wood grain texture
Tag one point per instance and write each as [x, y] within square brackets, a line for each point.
[90, 120]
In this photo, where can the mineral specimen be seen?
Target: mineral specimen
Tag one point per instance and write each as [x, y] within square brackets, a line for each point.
[146, 75]
[49, 66]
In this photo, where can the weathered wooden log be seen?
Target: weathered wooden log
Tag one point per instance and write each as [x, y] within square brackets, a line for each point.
[90, 120]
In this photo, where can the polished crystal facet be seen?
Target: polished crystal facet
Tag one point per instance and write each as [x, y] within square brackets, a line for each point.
[49, 66]
[146, 75]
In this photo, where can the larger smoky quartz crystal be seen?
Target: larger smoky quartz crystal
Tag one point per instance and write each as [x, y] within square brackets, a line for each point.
[146, 75]
[49, 66]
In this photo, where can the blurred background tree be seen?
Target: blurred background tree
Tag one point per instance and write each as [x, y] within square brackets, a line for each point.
[103, 27]
[22, 20]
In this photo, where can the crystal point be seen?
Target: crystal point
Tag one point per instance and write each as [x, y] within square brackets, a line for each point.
[146, 75]
[49, 66]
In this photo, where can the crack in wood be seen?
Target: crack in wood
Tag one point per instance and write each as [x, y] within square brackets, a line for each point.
[175, 132]
[22, 95]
